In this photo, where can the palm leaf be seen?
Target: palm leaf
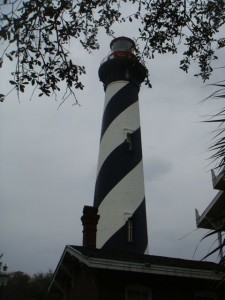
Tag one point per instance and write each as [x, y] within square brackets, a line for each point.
[218, 140]
[219, 248]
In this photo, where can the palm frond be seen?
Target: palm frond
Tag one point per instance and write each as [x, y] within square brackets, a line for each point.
[218, 140]
[217, 249]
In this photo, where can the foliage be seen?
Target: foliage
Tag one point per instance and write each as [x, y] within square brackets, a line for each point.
[2, 267]
[218, 144]
[22, 286]
[218, 249]
[36, 35]
[218, 156]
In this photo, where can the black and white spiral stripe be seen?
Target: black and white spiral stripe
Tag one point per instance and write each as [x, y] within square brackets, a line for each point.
[119, 190]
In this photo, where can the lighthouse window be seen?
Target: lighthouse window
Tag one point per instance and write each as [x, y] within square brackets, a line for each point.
[130, 230]
[138, 293]
[129, 141]
[128, 137]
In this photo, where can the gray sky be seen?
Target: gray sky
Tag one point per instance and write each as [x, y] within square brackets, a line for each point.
[48, 161]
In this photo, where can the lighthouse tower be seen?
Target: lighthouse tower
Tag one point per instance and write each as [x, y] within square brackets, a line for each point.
[119, 191]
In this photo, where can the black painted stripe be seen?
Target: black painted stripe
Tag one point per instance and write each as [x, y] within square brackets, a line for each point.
[119, 242]
[116, 166]
[125, 97]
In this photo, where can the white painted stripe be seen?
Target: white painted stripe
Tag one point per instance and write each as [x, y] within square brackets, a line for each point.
[114, 135]
[125, 197]
[112, 89]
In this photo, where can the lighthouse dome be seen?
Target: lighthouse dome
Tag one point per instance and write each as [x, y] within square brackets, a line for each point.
[122, 44]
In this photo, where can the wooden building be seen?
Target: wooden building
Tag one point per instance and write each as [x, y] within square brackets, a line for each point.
[95, 274]
[87, 273]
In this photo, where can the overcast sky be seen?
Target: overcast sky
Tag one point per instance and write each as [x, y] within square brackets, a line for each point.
[48, 160]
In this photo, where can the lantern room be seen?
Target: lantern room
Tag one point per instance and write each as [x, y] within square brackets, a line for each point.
[122, 63]
[122, 47]
[122, 44]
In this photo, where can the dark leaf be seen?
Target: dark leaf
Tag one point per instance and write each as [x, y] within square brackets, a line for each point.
[2, 97]
[22, 87]
[12, 82]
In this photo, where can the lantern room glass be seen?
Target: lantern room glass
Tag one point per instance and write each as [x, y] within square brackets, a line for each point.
[122, 44]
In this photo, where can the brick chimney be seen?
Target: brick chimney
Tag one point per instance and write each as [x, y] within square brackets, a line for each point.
[90, 220]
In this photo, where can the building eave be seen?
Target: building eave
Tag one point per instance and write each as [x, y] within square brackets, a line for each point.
[172, 268]
[151, 269]
[218, 180]
[53, 280]
[214, 214]
[148, 268]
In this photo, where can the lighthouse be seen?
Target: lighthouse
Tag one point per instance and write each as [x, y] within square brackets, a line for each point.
[121, 268]
[119, 189]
